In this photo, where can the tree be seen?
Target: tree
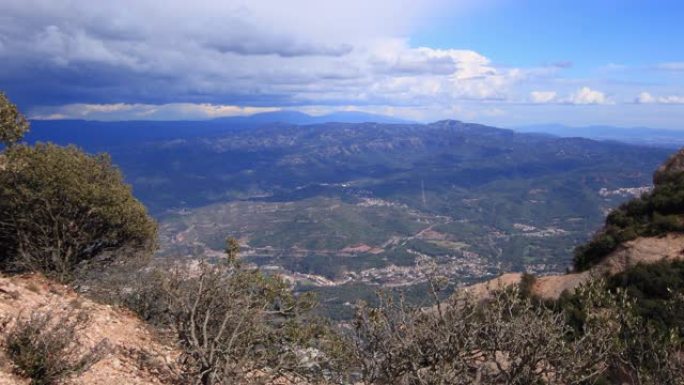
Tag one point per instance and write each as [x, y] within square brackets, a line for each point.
[13, 125]
[237, 325]
[62, 209]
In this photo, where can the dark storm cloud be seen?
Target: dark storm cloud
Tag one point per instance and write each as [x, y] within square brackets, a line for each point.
[88, 53]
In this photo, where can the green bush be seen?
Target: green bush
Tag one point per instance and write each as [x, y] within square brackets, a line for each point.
[13, 125]
[655, 287]
[62, 209]
[653, 214]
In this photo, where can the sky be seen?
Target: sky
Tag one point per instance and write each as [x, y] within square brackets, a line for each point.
[501, 62]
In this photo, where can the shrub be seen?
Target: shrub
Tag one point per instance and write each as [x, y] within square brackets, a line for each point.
[45, 348]
[590, 254]
[654, 287]
[141, 288]
[62, 209]
[235, 324]
[232, 323]
[643, 350]
[526, 285]
[506, 340]
[13, 125]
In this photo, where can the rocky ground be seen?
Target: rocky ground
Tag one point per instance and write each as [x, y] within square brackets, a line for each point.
[134, 354]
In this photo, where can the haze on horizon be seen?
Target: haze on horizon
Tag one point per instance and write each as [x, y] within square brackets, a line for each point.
[499, 62]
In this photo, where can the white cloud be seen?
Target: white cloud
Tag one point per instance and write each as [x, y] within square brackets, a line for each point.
[671, 66]
[671, 99]
[582, 96]
[542, 96]
[586, 95]
[137, 59]
[239, 52]
[647, 98]
[123, 111]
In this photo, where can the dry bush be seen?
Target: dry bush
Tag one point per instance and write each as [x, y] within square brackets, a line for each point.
[236, 325]
[232, 323]
[512, 339]
[45, 348]
[508, 340]
[137, 285]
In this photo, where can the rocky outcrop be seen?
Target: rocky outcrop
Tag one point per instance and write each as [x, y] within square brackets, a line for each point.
[645, 250]
[671, 169]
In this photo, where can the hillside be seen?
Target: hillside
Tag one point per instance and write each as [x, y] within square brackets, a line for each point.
[644, 231]
[134, 355]
[644, 250]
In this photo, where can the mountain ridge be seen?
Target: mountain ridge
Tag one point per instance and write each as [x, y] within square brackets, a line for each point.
[667, 138]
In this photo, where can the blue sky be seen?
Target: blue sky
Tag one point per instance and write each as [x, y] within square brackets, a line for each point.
[500, 62]
[587, 33]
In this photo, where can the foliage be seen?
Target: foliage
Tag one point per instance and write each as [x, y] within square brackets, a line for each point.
[526, 284]
[654, 288]
[235, 324]
[13, 125]
[232, 322]
[653, 214]
[61, 209]
[644, 351]
[45, 348]
[505, 340]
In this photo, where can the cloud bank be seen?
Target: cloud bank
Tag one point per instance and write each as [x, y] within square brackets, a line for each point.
[147, 59]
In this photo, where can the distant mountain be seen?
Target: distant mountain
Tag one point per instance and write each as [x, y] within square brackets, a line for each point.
[295, 117]
[634, 135]
[100, 135]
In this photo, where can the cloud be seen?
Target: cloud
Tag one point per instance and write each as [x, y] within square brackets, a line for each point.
[647, 98]
[135, 59]
[542, 96]
[586, 95]
[256, 53]
[563, 64]
[582, 96]
[671, 66]
[123, 111]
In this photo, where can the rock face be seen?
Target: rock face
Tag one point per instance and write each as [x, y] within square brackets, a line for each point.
[135, 356]
[672, 168]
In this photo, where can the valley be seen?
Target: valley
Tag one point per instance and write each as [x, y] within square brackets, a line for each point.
[345, 208]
